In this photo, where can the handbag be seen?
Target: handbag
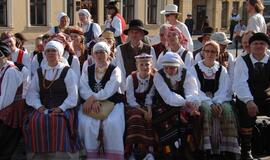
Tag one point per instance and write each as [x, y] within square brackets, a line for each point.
[106, 108]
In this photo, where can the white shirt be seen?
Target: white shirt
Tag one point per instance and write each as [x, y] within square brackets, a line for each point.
[12, 79]
[118, 61]
[117, 25]
[235, 18]
[33, 96]
[240, 84]
[189, 61]
[143, 85]
[256, 23]
[186, 33]
[172, 98]
[96, 29]
[111, 87]
[75, 64]
[224, 91]
[25, 60]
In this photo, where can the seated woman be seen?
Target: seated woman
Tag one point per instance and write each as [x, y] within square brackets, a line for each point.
[219, 123]
[11, 104]
[103, 139]
[177, 92]
[140, 91]
[50, 128]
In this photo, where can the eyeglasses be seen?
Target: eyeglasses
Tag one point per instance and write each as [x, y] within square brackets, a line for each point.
[167, 15]
[209, 51]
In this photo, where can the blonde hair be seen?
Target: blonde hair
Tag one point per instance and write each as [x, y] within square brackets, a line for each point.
[214, 44]
[259, 7]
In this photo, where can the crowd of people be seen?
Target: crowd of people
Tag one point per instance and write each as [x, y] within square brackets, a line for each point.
[108, 94]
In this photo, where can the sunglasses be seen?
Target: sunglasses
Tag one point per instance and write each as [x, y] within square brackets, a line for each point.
[167, 15]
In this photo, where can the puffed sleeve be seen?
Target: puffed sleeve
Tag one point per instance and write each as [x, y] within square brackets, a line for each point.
[26, 80]
[191, 89]
[189, 61]
[72, 90]
[32, 96]
[11, 81]
[116, 24]
[169, 97]
[240, 85]
[76, 67]
[154, 59]
[131, 100]
[224, 88]
[96, 30]
[118, 61]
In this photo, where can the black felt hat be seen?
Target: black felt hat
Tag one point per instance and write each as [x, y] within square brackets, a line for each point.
[135, 24]
[206, 31]
[259, 37]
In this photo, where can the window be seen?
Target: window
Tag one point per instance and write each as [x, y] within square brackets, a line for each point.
[3, 13]
[38, 12]
[70, 11]
[236, 6]
[224, 12]
[266, 11]
[152, 12]
[106, 2]
[244, 13]
[128, 10]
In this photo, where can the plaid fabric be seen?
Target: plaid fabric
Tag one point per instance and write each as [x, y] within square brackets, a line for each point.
[138, 131]
[219, 134]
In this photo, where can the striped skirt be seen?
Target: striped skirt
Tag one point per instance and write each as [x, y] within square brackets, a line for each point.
[44, 133]
[220, 134]
[138, 131]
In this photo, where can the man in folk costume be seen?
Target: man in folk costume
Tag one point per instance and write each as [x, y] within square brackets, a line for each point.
[251, 85]
[118, 23]
[177, 43]
[17, 55]
[91, 30]
[162, 45]
[126, 52]
[102, 137]
[205, 37]
[50, 127]
[171, 13]
[11, 104]
[140, 91]
[176, 102]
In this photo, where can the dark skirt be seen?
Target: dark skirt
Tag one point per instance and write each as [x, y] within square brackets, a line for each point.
[138, 131]
[45, 133]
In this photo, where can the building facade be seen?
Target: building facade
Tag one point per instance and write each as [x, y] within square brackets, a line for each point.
[35, 17]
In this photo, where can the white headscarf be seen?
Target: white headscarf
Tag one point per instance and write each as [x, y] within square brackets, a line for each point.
[60, 15]
[55, 45]
[85, 12]
[101, 46]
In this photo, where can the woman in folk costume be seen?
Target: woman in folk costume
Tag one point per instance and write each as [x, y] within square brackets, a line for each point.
[91, 30]
[177, 43]
[118, 23]
[78, 45]
[225, 58]
[177, 99]
[11, 105]
[63, 22]
[139, 94]
[102, 137]
[50, 128]
[219, 134]
[171, 14]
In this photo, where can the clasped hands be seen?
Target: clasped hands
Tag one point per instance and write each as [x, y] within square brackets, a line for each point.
[91, 105]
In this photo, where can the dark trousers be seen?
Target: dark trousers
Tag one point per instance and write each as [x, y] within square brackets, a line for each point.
[9, 138]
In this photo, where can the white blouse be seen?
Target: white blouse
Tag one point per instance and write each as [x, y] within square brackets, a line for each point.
[33, 96]
[75, 64]
[12, 79]
[118, 61]
[189, 61]
[143, 85]
[240, 84]
[111, 87]
[117, 25]
[25, 60]
[172, 98]
[186, 33]
[256, 23]
[223, 93]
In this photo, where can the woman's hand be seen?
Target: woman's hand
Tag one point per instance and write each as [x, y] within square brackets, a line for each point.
[95, 107]
[56, 110]
[252, 109]
[87, 106]
[216, 110]
[41, 109]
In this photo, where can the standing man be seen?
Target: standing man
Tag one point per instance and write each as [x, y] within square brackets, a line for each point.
[251, 81]
[189, 22]
[256, 21]
[117, 24]
[125, 53]
[171, 13]
[235, 17]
